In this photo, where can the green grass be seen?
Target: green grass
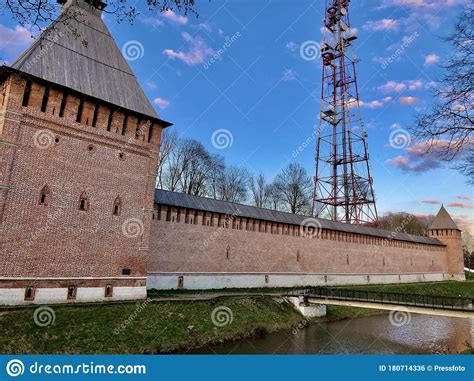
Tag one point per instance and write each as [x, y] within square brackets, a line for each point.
[157, 328]
[451, 288]
[154, 293]
[469, 275]
[335, 312]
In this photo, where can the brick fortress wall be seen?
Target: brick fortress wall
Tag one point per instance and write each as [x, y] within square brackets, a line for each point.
[77, 179]
[195, 249]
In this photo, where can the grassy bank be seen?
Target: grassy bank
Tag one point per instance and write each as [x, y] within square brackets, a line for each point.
[168, 326]
[154, 328]
[449, 288]
[465, 289]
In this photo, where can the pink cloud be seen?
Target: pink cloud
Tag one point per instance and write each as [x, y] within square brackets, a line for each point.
[433, 202]
[392, 86]
[415, 85]
[384, 24]
[399, 161]
[13, 41]
[463, 197]
[395, 126]
[161, 103]
[173, 17]
[151, 85]
[431, 59]
[409, 100]
[291, 46]
[371, 104]
[427, 4]
[421, 157]
[463, 222]
[196, 54]
[457, 204]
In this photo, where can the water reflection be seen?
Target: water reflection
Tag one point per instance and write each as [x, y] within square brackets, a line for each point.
[423, 334]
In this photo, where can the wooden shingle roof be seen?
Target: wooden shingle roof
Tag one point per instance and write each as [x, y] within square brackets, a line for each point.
[79, 53]
[182, 200]
[443, 221]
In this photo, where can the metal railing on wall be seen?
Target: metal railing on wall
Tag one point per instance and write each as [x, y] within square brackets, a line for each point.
[398, 298]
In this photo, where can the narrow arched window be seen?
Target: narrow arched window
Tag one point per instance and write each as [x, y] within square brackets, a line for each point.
[117, 209]
[45, 196]
[84, 202]
[227, 254]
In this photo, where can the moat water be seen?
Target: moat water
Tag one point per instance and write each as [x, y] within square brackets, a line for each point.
[422, 334]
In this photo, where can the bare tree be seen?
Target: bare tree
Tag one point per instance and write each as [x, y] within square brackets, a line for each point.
[197, 170]
[448, 127]
[295, 186]
[404, 223]
[259, 189]
[168, 143]
[275, 197]
[36, 14]
[232, 184]
[177, 164]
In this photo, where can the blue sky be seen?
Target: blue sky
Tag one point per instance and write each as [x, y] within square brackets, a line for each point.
[267, 95]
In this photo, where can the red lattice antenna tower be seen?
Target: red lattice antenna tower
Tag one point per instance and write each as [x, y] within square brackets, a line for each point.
[342, 185]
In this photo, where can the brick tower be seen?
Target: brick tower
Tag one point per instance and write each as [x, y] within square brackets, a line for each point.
[444, 229]
[79, 143]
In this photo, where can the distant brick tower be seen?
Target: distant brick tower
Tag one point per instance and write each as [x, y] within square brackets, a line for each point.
[444, 229]
[79, 143]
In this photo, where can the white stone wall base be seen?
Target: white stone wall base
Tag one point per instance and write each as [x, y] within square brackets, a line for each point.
[307, 310]
[204, 281]
[15, 296]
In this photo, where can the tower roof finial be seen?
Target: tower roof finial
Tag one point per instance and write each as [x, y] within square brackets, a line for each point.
[443, 221]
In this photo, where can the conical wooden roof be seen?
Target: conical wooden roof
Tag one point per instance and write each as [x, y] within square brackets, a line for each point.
[443, 220]
[79, 53]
